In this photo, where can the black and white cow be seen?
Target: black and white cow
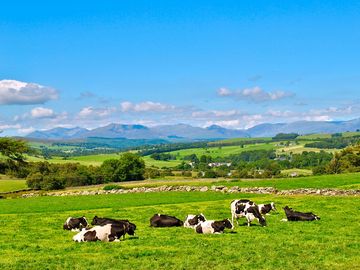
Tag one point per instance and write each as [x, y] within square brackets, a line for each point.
[159, 220]
[106, 233]
[266, 208]
[192, 221]
[212, 226]
[130, 227]
[252, 212]
[292, 215]
[75, 224]
[237, 208]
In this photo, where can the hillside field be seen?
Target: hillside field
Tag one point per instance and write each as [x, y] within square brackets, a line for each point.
[7, 185]
[33, 237]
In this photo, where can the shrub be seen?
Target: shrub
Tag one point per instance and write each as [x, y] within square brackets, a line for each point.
[112, 186]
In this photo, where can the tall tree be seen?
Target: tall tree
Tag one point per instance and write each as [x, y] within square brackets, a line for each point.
[13, 149]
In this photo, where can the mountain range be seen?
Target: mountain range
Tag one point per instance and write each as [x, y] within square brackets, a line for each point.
[190, 133]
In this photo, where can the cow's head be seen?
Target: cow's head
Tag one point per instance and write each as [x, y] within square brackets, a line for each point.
[131, 227]
[95, 221]
[273, 207]
[227, 223]
[196, 219]
[262, 221]
[83, 222]
[201, 218]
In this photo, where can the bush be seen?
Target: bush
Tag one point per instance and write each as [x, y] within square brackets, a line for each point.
[112, 186]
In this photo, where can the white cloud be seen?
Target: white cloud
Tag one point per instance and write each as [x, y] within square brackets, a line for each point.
[255, 94]
[9, 126]
[40, 112]
[88, 112]
[21, 93]
[25, 131]
[147, 106]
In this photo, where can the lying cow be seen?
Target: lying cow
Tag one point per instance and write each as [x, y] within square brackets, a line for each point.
[212, 226]
[252, 212]
[75, 224]
[131, 227]
[159, 220]
[106, 233]
[192, 221]
[264, 209]
[237, 208]
[292, 215]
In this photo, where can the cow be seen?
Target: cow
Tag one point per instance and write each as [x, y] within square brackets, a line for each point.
[131, 227]
[237, 208]
[192, 220]
[75, 224]
[264, 209]
[106, 233]
[292, 215]
[159, 220]
[213, 227]
[252, 212]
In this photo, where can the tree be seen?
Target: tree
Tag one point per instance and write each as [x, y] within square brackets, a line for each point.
[335, 165]
[13, 149]
[128, 167]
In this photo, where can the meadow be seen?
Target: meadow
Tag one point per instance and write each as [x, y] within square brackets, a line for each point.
[7, 185]
[222, 151]
[33, 237]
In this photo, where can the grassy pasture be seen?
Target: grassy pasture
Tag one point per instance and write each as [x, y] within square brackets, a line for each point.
[7, 185]
[239, 140]
[222, 151]
[33, 238]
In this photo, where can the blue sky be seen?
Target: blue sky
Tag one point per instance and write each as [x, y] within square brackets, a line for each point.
[231, 63]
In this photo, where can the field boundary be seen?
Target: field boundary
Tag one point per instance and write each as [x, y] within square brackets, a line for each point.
[223, 189]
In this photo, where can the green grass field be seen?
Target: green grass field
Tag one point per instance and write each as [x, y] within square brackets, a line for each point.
[239, 140]
[32, 236]
[7, 185]
[222, 151]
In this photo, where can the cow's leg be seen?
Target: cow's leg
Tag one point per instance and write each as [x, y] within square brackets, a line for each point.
[248, 221]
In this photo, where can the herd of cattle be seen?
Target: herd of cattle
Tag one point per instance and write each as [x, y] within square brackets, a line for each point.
[109, 230]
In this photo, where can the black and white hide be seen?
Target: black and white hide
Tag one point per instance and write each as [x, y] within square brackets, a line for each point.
[106, 233]
[212, 226]
[237, 208]
[75, 224]
[251, 213]
[192, 221]
[264, 209]
[130, 227]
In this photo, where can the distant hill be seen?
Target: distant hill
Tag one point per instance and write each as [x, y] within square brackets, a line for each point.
[190, 133]
[304, 127]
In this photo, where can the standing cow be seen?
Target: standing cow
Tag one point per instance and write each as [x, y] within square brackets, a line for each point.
[237, 208]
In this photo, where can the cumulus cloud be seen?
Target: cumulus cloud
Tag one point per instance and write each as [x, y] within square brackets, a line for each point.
[254, 94]
[88, 112]
[40, 112]
[22, 93]
[147, 106]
